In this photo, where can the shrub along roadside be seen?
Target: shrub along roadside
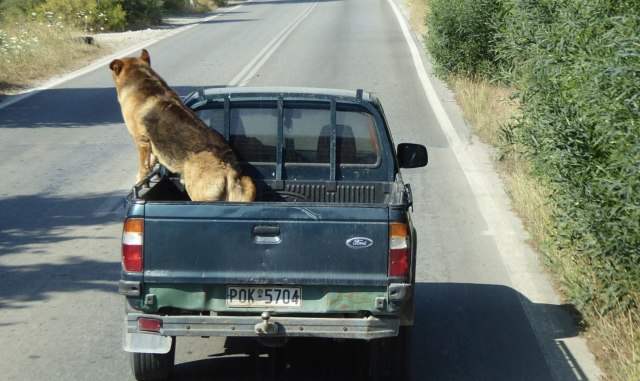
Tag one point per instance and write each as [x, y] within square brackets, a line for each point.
[461, 35]
[577, 70]
[575, 65]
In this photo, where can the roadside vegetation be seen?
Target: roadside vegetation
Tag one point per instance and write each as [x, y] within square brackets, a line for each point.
[555, 87]
[41, 38]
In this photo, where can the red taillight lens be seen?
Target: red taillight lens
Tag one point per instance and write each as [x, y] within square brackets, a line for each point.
[398, 262]
[132, 245]
[146, 324]
[132, 258]
[398, 250]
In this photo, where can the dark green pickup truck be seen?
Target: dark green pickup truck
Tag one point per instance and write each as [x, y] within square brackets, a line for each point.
[327, 249]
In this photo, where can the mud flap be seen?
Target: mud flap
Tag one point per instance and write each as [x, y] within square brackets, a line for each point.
[146, 343]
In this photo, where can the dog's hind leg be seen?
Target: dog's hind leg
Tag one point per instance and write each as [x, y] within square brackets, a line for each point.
[240, 188]
[205, 177]
[145, 157]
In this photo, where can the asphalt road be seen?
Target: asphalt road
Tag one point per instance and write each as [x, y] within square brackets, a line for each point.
[485, 309]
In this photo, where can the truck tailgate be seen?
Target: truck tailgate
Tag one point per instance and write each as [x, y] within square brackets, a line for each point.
[266, 243]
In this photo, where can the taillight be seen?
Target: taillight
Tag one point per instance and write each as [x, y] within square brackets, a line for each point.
[398, 250]
[132, 245]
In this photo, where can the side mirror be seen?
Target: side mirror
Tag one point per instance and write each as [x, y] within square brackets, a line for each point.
[412, 155]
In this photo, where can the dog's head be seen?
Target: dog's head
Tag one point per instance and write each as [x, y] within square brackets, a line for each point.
[121, 68]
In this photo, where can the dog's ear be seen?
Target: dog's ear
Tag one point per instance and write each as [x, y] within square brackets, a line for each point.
[116, 66]
[145, 57]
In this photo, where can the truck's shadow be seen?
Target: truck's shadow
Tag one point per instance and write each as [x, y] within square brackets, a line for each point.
[91, 107]
[462, 332]
[301, 359]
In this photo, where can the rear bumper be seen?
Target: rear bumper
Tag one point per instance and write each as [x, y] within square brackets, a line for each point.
[254, 326]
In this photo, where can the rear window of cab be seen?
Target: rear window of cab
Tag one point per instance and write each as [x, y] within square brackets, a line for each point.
[306, 133]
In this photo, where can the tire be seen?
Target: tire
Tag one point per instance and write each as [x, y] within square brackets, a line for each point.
[153, 366]
[389, 359]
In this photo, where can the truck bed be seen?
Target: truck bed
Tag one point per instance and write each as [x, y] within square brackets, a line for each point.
[369, 192]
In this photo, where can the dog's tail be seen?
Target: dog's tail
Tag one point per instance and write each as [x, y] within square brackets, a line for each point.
[240, 189]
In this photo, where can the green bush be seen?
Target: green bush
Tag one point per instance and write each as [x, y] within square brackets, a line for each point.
[176, 6]
[187, 6]
[461, 37]
[576, 65]
[80, 13]
[84, 14]
[115, 18]
[22, 5]
[143, 13]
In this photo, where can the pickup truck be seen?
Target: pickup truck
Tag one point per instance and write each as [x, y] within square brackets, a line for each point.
[327, 250]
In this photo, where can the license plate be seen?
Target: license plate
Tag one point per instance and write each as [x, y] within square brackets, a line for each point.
[253, 296]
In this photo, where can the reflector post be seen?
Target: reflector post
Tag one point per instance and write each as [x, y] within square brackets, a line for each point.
[151, 325]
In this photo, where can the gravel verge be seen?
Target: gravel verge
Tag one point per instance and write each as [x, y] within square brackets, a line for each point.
[114, 42]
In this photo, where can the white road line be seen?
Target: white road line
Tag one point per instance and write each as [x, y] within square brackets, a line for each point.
[515, 261]
[268, 50]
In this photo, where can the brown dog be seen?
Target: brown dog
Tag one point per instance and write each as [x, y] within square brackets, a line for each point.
[164, 128]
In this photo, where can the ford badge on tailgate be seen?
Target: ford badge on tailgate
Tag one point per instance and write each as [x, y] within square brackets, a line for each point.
[359, 242]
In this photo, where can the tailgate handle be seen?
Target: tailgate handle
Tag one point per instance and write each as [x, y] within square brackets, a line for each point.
[266, 234]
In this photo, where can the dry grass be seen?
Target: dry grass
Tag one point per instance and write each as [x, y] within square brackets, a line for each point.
[486, 106]
[418, 11]
[618, 347]
[489, 110]
[31, 52]
[614, 338]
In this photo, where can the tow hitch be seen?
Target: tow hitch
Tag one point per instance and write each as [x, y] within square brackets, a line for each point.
[266, 328]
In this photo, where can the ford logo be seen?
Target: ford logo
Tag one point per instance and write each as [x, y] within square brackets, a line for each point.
[359, 242]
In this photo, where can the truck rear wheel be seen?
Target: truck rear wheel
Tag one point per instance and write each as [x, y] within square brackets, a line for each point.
[153, 366]
[389, 359]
